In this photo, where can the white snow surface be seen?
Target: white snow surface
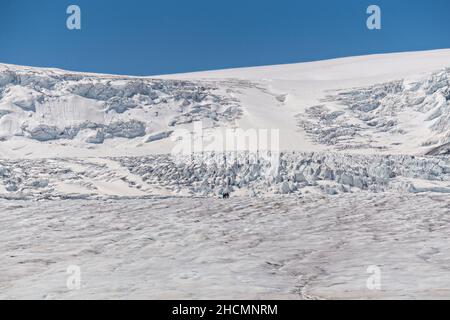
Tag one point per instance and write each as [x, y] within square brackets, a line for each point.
[315, 247]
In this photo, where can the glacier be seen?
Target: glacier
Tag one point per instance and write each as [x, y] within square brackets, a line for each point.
[88, 177]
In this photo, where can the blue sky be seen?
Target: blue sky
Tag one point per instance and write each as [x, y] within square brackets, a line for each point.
[148, 37]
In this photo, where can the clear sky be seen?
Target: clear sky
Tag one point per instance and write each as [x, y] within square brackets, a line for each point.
[148, 37]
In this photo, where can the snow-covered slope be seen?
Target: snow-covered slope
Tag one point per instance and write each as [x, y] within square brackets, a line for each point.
[242, 248]
[394, 103]
[88, 179]
[326, 112]
[397, 103]
[47, 112]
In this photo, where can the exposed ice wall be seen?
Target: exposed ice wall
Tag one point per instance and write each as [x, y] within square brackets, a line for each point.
[374, 115]
[212, 173]
[47, 105]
